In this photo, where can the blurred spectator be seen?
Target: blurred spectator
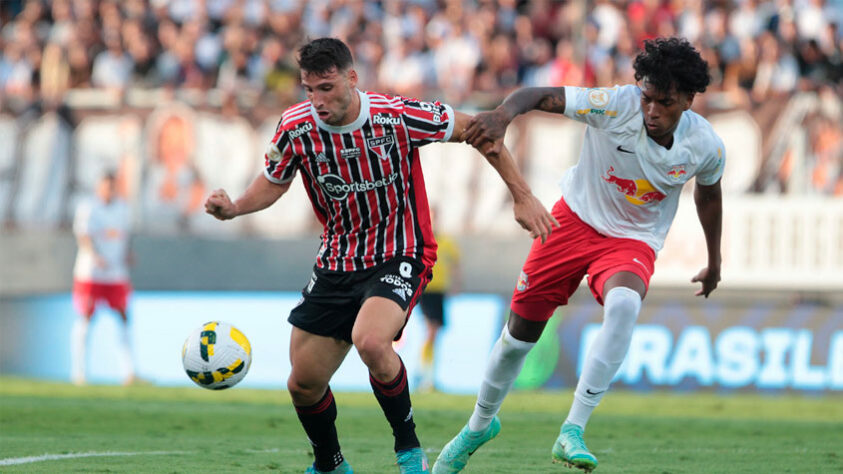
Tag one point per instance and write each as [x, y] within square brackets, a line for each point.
[778, 71]
[403, 71]
[55, 74]
[79, 63]
[445, 48]
[469, 53]
[565, 68]
[173, 190]
[112, 67]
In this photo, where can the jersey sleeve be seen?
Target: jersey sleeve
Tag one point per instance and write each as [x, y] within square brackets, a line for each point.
[280, 160]
[428, 122]
[604, 107]
[712, 169]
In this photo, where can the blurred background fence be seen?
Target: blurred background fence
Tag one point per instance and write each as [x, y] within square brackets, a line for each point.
[779, 231]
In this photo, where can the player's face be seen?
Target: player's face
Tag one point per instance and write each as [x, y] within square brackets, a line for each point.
[106, 189]
[332, 94]
[662, 111]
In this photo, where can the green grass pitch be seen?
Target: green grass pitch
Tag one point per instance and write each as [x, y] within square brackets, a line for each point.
[154, 429]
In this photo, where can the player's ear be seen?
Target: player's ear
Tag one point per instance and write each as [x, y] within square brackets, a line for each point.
[689, 99]
[352, 77]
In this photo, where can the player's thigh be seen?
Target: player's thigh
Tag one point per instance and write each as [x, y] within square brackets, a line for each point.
[549, 276]
[117, 296]
[378, 321]
[329, 305]
[315, 358]
[623, 262]
[84, 300]
[553, 269]
[388, 299]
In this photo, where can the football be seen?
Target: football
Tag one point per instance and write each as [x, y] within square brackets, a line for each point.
[216, 355]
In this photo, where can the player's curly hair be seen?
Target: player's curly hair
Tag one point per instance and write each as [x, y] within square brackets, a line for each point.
[669, 62]
[321, 55]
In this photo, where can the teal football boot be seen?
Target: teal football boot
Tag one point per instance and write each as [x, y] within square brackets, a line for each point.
[454, 455]
[570, 449]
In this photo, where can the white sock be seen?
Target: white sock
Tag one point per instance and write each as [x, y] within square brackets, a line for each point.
[505, 364]
[620, 311]
[126, 362]
[78, 346]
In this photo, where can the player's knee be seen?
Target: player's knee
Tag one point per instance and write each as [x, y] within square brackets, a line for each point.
[304, 392]
[621, 308]
[372, 349]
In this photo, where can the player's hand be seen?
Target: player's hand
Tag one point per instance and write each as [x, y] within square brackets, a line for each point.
[220, 206]
[532, 216]
[487, 129]
[709, 277]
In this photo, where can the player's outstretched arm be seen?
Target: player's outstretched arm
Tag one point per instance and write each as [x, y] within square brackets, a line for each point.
[489, 128]
[529, 211]
[710, 211]
[259, 195]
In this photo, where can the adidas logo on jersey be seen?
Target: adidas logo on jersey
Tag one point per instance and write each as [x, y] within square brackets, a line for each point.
[321, 158]
[400, 292]
[403, 288]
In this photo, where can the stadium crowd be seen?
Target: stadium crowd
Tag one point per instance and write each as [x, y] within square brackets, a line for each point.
[469, 53]
[459, 50]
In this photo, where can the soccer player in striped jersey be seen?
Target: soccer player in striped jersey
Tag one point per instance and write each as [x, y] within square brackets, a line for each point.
[642, 144]
[357, 154]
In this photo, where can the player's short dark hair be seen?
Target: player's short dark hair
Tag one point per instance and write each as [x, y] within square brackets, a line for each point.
[321, 55]
[672, 62]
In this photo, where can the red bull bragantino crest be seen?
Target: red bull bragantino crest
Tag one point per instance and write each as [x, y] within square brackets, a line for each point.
[637, 191]
[523, 284]
[676, 172]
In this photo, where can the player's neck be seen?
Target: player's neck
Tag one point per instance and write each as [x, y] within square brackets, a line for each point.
[665, 140]
[353, 110]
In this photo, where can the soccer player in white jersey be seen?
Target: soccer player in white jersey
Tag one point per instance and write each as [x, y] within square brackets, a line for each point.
[101, 272]
[357, 155]
[642, 143]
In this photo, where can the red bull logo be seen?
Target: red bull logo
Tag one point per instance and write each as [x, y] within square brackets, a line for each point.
[523, 284]
[677, 172]
[637, 191]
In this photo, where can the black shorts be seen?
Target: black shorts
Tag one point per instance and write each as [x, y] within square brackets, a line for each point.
[331, 300]
[433, 305]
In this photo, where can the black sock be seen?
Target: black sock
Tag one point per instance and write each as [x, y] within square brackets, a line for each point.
[394, 397]
[318, 422]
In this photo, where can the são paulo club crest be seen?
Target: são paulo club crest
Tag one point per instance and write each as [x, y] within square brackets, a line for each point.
[381, 146]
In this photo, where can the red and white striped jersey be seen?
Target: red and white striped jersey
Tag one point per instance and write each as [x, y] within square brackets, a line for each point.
[364, 179]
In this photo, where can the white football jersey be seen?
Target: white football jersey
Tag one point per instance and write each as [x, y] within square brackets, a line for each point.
[625, 184]
[108, 227]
